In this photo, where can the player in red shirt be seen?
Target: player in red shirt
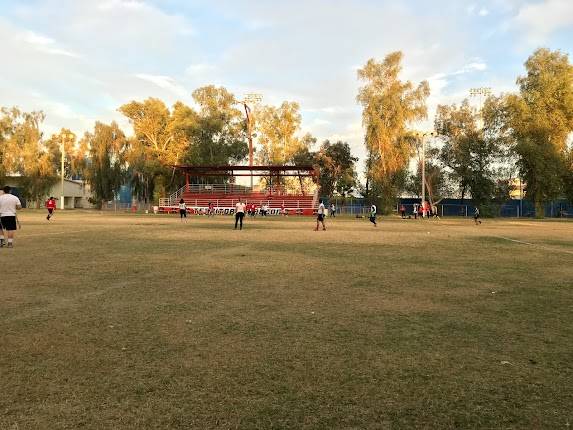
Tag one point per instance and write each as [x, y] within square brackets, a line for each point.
[51, 206]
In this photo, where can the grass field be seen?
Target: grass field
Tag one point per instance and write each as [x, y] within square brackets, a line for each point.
[136, 322]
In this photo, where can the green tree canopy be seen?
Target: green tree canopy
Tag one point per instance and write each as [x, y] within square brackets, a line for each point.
[467, 152]
[337, 168]
[278, 133]
[390, 107]
[217, 132]
[536, 123]
[106, 169]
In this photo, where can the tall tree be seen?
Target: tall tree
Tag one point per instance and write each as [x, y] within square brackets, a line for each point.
[105, 171]
[468, 153]
[278, 133]
[75, 153]
[156, 146]
[217, 132]
[437, 183]
[390, 106]
[537, 122]
[337, 170]
[24, 153]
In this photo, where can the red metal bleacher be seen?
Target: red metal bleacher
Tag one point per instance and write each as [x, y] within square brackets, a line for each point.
[198, 200]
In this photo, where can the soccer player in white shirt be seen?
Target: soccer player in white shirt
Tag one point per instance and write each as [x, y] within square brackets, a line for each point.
[239, 214]
[373, 211]
[320, 215]
[182, 210]
[9, 204]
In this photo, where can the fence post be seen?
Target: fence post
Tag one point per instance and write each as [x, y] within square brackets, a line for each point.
[466, 211]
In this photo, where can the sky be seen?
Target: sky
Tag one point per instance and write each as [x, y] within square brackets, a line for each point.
[79, 60]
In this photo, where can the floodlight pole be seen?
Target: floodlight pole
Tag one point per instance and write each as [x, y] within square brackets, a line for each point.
[481, 93]
[423, 168]
[62, 204]
[250, 98]
[63, 137]
[249, 136]
[423, 136]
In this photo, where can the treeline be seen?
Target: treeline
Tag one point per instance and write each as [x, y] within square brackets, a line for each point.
[475, 153]
[213, 133]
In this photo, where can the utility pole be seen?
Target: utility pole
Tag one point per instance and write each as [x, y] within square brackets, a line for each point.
[250, 99]
[62, 203]
[63, 137]
[422, 137]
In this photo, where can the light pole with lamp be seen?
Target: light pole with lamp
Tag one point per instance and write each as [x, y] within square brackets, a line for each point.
[422, 137]
[481, 93]
[251, 99]
[63, 137]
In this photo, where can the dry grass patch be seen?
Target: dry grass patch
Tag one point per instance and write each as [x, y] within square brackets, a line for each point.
[123, 321]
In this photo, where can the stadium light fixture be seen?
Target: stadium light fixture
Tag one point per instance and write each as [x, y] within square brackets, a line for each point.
[482, 93]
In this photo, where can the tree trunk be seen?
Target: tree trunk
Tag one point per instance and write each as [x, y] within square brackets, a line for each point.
[539, 208]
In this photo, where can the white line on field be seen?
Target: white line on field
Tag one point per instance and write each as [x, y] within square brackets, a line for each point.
[536, 245]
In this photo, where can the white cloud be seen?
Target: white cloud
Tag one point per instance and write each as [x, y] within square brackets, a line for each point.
[483, 12]
[475, 66]
[540, 20]
[200, 69]
[45, 44]
[166, 82]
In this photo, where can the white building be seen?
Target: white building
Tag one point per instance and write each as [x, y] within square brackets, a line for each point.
[76, 194]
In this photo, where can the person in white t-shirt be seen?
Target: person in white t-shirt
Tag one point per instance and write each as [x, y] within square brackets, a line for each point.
[9, 204]
[373, 213]
[182, 210]
[239, 214]
[320, 215]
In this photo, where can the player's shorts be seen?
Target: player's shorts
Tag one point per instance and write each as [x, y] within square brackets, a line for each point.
[8, 223]
[183, 213]
[320, 217]
[50, 211]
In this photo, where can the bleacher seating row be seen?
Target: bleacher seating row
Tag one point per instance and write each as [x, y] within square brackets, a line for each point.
[224, 202]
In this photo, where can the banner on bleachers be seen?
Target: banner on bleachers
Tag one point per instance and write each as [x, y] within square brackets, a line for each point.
[199, 210]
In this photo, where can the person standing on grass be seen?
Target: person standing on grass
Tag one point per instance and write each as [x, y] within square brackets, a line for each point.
[373, 211]
[435, 211]
[477, 216]
[9, 204]
[403, 211]
[239, 214]
[182, 210]
[320, 215]
[51, 206]
[211, 209]
[332, 211]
